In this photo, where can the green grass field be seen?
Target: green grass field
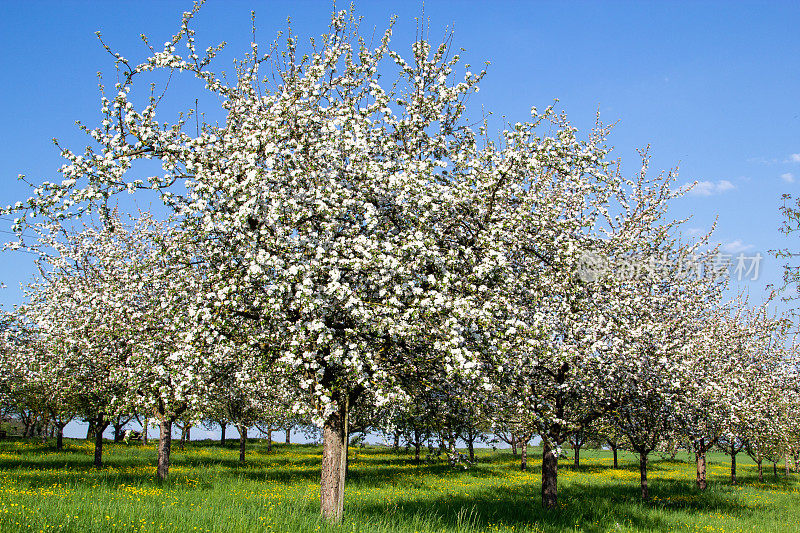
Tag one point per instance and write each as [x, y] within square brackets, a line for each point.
[44, 490]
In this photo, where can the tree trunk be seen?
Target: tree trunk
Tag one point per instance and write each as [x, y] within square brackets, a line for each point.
[145, 423]
[25, 419]
[186, 434]
[760, 471]
[549, 476]
[288, 434]
[334, 464]
[733, 466]
[614, 449]
[396, 442]
[514, 445]
[222, 434]
[60, 437]
[643, 476]
[700, 455]
[577, 451]
[774, 470]
[89, 430]
[164, 446]
[117, 433]
[100, 426]
[242, 441]
[347, 457]
[523, 462]
[269, 440]
[471, 447]
[786, 464]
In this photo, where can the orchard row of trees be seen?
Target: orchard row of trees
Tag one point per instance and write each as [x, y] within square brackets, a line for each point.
[350, 242]
[753, 410]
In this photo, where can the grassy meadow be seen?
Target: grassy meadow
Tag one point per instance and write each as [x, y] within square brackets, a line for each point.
[45, 490]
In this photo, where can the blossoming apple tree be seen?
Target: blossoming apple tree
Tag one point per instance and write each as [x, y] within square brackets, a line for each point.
[110, 312]
[344, 225]
[327, 210]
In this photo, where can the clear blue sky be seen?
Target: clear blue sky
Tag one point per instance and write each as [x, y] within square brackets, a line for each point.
[712, 86]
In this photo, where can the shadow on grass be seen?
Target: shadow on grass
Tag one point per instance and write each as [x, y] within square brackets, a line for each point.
[595, 507]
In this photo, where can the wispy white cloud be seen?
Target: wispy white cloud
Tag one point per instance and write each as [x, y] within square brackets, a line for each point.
[791, 158]
[709, 188]
[724, 185]
[735, 247]
[763, 160]
[788, 177]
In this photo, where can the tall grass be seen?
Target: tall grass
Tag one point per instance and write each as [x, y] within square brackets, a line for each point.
[45, 490]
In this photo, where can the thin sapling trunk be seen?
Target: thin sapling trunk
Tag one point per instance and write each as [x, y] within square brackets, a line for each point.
[100, 426]
[643, 475]
[164, 446]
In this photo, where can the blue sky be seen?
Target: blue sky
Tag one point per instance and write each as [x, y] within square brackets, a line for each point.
[711, 86]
